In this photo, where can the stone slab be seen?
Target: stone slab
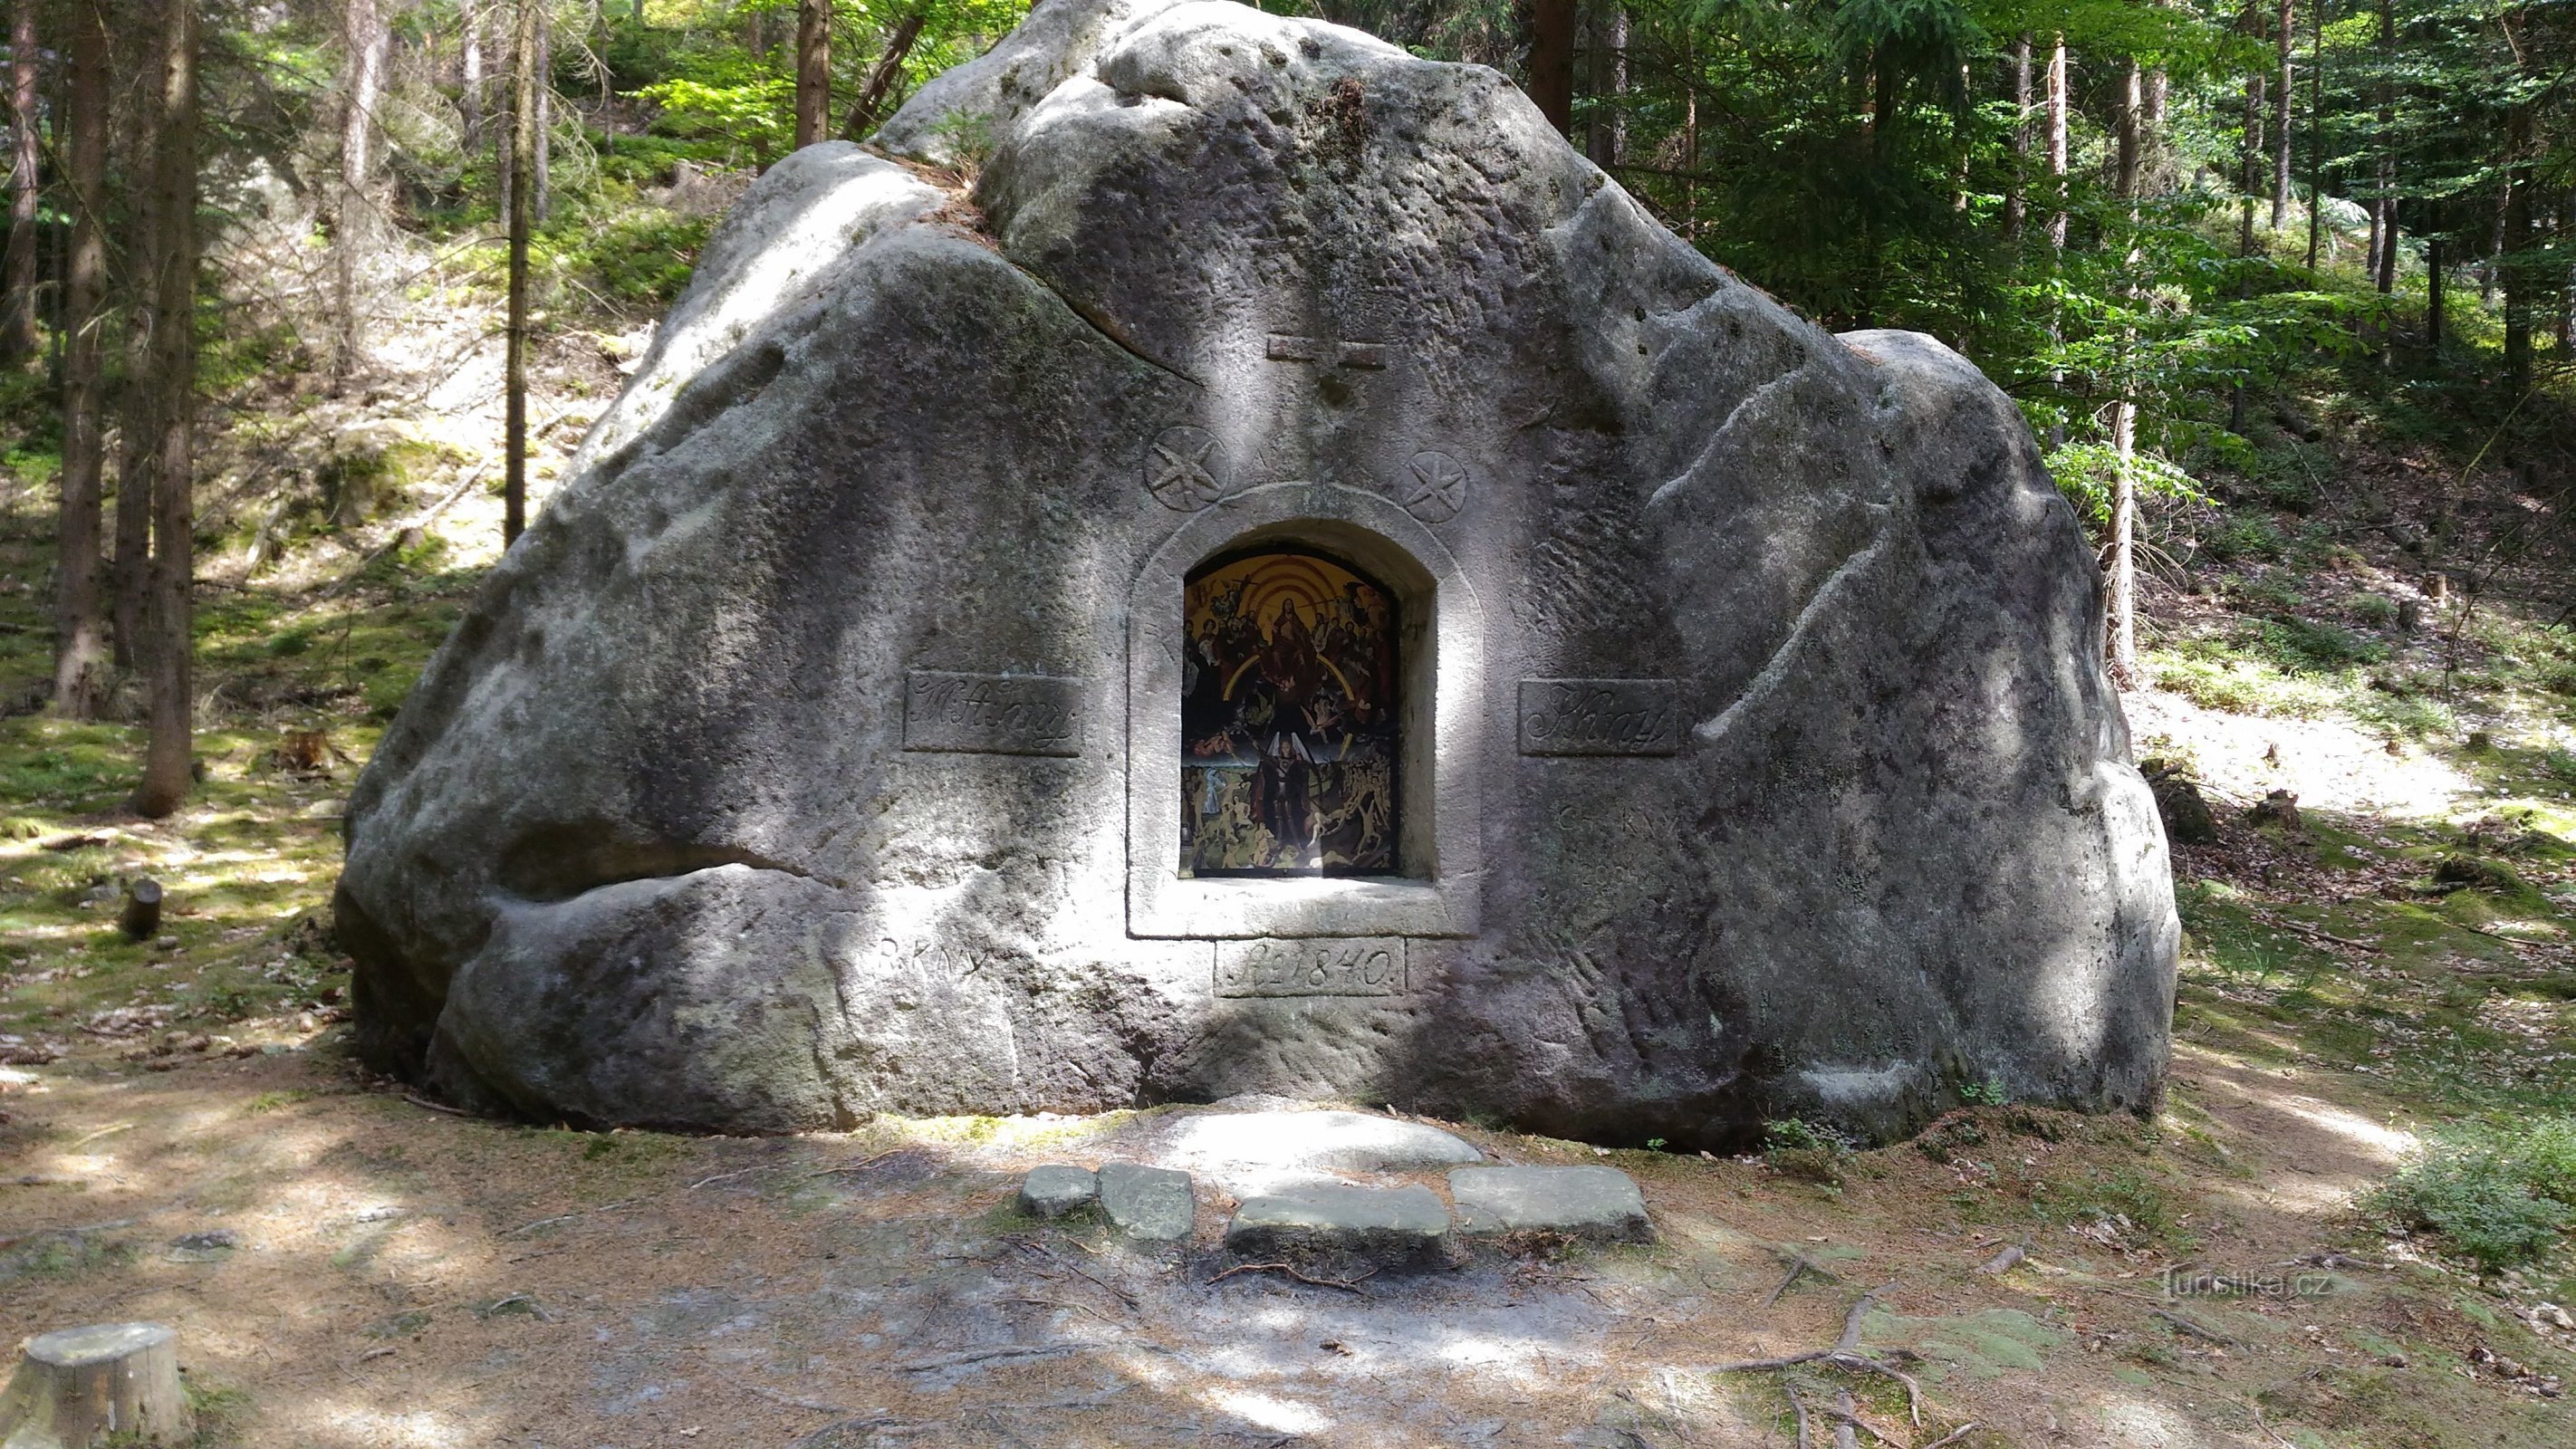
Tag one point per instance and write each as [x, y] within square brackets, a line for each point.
[1319, 1142]
[1583, 1202]
[1388, 1226]
[1152, 1203]
[1057, 1189]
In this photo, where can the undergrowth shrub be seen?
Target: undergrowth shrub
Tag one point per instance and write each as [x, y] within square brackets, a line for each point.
[1801, 1149]
[2495, 1196]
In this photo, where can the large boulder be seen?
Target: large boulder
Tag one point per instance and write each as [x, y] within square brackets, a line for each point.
[1738, 746]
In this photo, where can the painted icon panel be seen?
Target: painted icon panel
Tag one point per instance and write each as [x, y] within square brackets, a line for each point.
[1288, 719]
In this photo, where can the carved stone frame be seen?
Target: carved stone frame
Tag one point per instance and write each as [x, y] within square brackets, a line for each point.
[1440, 653]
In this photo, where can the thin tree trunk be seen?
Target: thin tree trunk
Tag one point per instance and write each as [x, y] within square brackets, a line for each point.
[813, 71]
[2387, 258]
[1690, 139]
[18, 340]
[365, 40]
[2124, 410]
[2253, 161]
[137, 436]
[2056, 99]
[1607, 135]
[2491, 267]
[2434, 263]
[542, 192]
[1619, 87]
[80, 640]
[2281, 120]
[470, 79]
[170, 236]
[2316, 123]
[2516, 263]
[1551, 61]
[881, 77]
[523, 161]
[2016, 193]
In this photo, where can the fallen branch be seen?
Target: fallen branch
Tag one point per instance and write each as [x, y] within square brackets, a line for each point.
[2196, 1330]
[958, 1360]
[426, 1104]
[1845, 1354]
[1954, 1436]
[568, 1217]
[1347, 1285]
[1800, 1265]
[1799, 1404]
[776, 1397]
[2004, 1260]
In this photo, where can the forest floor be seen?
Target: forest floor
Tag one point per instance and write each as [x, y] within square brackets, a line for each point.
[185, 1138]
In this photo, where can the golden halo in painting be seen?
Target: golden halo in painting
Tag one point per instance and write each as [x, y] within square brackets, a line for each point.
[1288, 719]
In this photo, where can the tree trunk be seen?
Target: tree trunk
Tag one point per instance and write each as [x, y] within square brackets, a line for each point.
[2281, 121]
[2386, 261]
[2016, 192]
[80, 640]
[1607, 135]
[170, 239]
[541, 191]
[81, 1386]
[2516, 263]
[813, 71]
[2056, 98]
[2316, 123]
[470, 81]
[18, 340]
[1551, 61]
[2124, 410]
[2253, 160]
[137, 436]
[881, 77]
[2434, 262]
[523, 161]
[365, 40]
[1690, 139]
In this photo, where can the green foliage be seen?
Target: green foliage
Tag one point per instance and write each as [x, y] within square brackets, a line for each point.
[2497, 1196]
[640, 258]
[1806, 1150]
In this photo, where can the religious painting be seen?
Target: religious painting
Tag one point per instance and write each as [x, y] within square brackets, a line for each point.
[1288, 719]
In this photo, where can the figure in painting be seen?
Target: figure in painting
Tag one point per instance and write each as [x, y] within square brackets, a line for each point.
[1288, 720]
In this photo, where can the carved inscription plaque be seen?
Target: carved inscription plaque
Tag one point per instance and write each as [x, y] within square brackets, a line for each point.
[1600, 717]
[992, 714]
[1362, 966]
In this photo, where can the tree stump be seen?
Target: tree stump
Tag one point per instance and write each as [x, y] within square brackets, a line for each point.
[142, 915]
[76, 1387]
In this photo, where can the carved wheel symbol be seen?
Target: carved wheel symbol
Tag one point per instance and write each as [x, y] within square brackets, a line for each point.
[1178, 471]
[1439, 488]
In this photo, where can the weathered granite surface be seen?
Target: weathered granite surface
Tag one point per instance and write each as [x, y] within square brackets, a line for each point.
[1058, 1189]
[1583, 1202]
[815, 753]
[1154, 1203]
[1388, 1226]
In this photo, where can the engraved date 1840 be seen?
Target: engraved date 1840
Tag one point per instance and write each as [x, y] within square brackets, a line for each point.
[1372, 966]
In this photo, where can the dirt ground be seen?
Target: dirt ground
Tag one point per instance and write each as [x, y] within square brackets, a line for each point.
[347, 1267]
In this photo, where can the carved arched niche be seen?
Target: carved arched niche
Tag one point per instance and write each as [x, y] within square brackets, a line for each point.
[1432, 889]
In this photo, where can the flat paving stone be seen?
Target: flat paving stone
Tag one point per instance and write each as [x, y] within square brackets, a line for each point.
[1154, 1203]
[1056, 1189]
[1388, 1226]
[1581, 1202]
[1251, 1153]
